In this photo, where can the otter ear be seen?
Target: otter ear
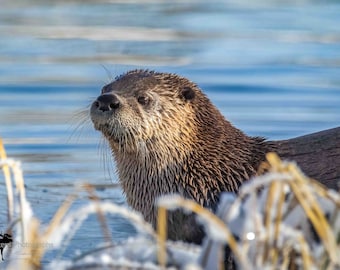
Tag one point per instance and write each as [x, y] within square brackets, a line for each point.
[187, 93]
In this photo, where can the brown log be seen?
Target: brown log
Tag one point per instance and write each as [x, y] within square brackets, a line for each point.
[317, 154]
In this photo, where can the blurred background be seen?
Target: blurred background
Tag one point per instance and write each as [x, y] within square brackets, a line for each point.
[271, 67]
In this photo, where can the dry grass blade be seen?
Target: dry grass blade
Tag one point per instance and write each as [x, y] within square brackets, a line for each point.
[322, 191]
[213, 223]
[62, 210]
[19, 181]
[28, 234]
[306, 259]
[274, 206]
[286, 257]
[302, 190]
[59, 215]
[101, 217]
[315, 214]
[161, 231]
[7, 176]
[35, 248]
[269, 247]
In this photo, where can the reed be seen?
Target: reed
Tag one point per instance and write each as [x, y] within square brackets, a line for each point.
[294, 220]
[279, 220]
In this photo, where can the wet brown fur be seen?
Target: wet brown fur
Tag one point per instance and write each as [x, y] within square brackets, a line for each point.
[176, 143]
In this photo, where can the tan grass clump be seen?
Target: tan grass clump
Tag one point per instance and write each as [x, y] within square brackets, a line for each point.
[282, 220]
[279, 220]
[30, 239]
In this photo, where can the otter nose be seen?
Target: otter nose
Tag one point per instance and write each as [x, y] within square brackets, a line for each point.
[107, 102]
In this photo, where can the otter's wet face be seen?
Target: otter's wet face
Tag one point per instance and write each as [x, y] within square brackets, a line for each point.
[141, 108]
[120, 118]
[167, 137]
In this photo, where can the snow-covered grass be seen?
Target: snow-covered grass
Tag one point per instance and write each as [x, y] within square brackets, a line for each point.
[279, 220]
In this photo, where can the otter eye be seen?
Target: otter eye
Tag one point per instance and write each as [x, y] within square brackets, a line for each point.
[188, 93]
[143, 100]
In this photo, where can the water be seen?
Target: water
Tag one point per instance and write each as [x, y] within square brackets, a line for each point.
[272, 68]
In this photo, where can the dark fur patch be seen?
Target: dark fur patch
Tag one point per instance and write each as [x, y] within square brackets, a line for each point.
[188, 93]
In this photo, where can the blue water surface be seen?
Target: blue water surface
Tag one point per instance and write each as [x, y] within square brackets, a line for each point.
[271, 67]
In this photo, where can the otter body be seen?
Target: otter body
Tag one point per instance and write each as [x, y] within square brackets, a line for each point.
[167, 137]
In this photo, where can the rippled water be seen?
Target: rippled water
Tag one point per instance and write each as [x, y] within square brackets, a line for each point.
[272, 68]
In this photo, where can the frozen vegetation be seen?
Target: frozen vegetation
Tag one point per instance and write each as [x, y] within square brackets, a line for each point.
[279, 220]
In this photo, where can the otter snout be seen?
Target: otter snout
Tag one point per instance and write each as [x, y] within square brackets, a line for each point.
[103, 110]
[107, 102]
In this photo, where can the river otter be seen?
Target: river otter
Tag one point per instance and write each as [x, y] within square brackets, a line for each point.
[167, 137]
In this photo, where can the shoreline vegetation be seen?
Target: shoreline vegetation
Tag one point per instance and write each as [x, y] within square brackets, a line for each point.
[281, 219]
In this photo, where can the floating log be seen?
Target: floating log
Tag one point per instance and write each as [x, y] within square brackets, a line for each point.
[317, 154]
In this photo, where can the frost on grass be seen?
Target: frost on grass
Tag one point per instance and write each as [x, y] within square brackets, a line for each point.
[281, 220]
[292, 222]
[74, 220]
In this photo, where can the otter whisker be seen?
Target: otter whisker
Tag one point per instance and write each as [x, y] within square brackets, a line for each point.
[79, 123]
[108, 73]
[105, 158]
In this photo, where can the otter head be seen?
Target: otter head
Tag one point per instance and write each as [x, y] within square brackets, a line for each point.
[150, 122]
[147, 115]
[167, 137]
